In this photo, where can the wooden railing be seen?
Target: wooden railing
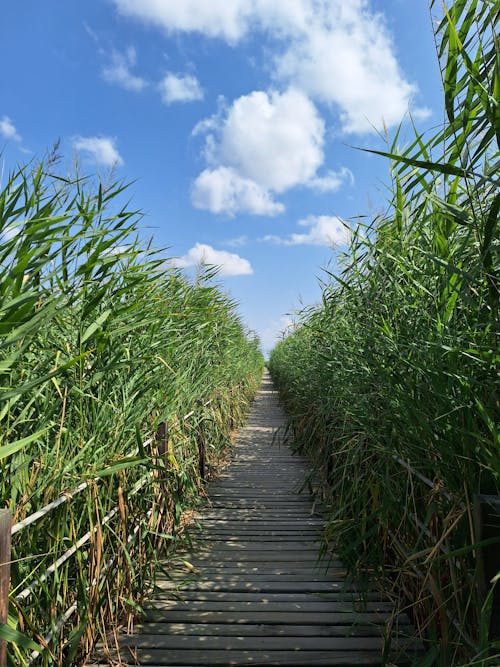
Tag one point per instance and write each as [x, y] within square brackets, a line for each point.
[7, 531]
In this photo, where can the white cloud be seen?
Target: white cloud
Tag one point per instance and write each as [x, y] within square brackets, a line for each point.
[230, 264]
[323, 230]
[264, 143]
[421, 113]
[178, 88]
[8, 130]
[222, 190]
[216, 18]
[230, 21]
[274, 139]
[101, 149]
[332, 181]
[347, 59]
[334, 51]
[119, 71]
[237, 242]
[90, 32]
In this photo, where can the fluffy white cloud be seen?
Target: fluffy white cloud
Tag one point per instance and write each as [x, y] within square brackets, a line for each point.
[8, 130]
[335, 51]
[322, 230]
[230, 21]
[222, 190]
[274, 139]
[264, 143]
[119, 71]
[101, 149]
[177, 88]
[346, 58]
[230, 263]
[216, 18]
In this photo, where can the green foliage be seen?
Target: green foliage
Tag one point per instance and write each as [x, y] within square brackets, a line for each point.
[392, 383]
[100, 344]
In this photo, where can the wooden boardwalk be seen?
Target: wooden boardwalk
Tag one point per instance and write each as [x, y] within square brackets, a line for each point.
[258, 595]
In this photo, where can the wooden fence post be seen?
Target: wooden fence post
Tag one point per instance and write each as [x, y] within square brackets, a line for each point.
[5, 557]
[161, 438]
[201, 454]
[201, 442]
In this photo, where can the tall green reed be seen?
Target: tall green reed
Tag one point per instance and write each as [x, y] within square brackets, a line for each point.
[392, 383]
[101, 344]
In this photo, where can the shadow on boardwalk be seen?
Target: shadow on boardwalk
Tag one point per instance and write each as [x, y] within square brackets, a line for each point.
[259, 595]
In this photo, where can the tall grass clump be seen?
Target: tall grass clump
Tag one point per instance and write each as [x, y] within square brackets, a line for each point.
[103, 351]
[391, 383]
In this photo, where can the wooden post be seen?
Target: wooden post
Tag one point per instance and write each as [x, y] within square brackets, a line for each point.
[201, 455]
[5, 557]
[201, 442]
[162, 438]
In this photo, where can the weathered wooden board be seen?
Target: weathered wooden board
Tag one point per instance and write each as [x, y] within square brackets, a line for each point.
[364, 627]
[259, 643]
[343, 614]
[268, 599]
[257, 585]
[283, 606]
[203, 657]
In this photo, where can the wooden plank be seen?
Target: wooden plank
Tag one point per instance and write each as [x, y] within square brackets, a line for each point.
[295, 659]
[229, 515]
[339, 658]
[256, 556]
[266, 598]
[367, 626]
[257, 586]
[256, 522]
[267, 537]
[314, 565]
[254, 643]
[263, 617]
[251, 575]
[256, 605]
[256, 545]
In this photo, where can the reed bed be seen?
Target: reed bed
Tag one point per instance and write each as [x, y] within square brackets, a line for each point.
[391, 383]
[104, 350]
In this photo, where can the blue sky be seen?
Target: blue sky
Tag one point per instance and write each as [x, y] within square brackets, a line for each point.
[236, 120]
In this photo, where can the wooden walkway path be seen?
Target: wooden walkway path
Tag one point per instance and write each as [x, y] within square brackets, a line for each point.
[259, 595]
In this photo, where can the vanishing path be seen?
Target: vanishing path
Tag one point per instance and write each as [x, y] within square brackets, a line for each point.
[259, 595]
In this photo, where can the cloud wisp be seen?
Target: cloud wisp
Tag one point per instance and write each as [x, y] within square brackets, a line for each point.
[331, 181]
[8, 129]
[180, 88]
[101, 149]
[230, 264]
[322, 230]
[237, 241]
[118, 71]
